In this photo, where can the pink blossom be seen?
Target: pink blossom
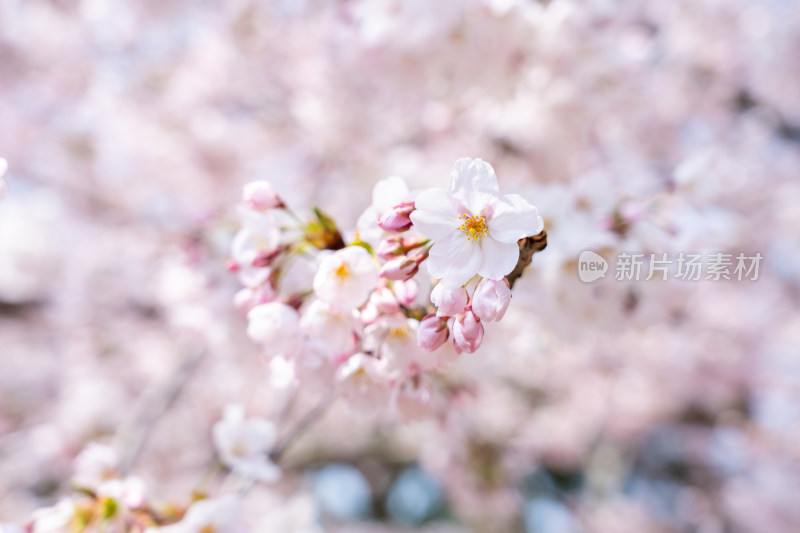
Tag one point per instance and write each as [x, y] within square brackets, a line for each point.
[397, 219]
[405, 291]
[399, 269]
[346, 277]
[276, 326]
[244, 444]
[491, 299]
[432, 332]
[260, 195]
[449, 301]
[467, 332]
[474, 229]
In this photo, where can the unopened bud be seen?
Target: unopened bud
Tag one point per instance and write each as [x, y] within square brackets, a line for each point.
[395, 245]
[397, 218]
[399, 269]
[261, 196]
[391, 247]
[491, 299]
[467, 332]
[405, 291]
[432, 332]
[448, 302]
[264, 259]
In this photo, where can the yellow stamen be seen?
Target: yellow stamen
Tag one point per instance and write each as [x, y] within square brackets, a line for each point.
[400, 332]
[474, 227]
[341, 273]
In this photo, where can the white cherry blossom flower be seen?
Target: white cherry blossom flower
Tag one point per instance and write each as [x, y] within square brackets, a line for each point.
[346, 277]
[330, 331]
[364, 386]
[243, 444]
[95, 465]
[53, 519]
[220, 515]
[253, 246]
[475, 230]
[276, 326]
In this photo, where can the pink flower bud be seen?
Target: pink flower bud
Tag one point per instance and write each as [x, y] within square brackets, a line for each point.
[432, 332]
[384, 300]
[264, 259]
[247, 298]
[391, 247]
[448, 302]
[400, 269]
[467, 332]
[261, 196]
[491, 299]
[395, 245]
[397, 219]
[405, 291]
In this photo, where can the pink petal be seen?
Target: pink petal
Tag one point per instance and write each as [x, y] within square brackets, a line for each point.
[499, 258]
[455, 261]
[474, 184]
[513, 219]
[434, 215]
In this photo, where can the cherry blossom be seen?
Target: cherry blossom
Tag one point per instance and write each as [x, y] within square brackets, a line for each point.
[474, 229]
[432, 332]
[490, 299]
[467, 331]
[220, 515]
[243, 444]
[260, 195]
[363, 384]
[346, 277]
[276, 326]
[330, 331]
[449, 301]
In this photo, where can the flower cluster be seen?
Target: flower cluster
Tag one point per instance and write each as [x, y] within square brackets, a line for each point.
[354, 312]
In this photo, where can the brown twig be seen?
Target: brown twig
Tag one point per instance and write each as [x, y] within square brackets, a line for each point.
[306, 422]
[527, 247]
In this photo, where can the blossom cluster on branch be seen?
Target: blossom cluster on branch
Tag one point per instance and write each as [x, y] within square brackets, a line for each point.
[374, 314]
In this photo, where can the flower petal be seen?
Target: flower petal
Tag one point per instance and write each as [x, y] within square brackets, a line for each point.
[474, 184]
[499, 258]
[388, 193]
[455, 261]
[434, 216]
[514, 218]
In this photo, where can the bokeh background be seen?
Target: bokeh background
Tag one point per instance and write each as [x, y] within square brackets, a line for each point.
[645, 126]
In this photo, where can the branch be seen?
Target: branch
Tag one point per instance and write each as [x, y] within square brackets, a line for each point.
[156, 407]
[527, 247]
[306, 422]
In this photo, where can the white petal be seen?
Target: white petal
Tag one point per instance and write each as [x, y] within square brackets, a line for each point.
[434, 215]
[388, 193]
[474, 184]
[499, 258]
[455, 261]
[514, 218]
